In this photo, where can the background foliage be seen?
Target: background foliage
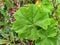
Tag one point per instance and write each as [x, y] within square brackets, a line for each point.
[30, 22]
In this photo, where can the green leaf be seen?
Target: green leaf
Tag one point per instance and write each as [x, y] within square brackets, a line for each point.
[2, 41]
[52, 35]
[47, 42]
[44, 23]
[58, 1]
[33, 23]
[34, 36]
[1, 23]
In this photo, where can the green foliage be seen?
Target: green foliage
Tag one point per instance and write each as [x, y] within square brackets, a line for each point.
[9, 4]
[8, 37]
[3, 41]
[34, 23]
[58, 1]
[58, 14]
[4, 18]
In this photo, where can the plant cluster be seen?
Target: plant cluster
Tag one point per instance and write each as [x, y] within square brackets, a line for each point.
[38, 24]
[24, 22]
